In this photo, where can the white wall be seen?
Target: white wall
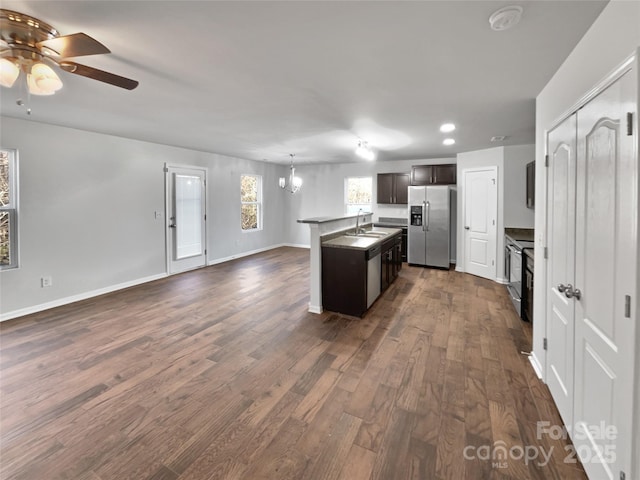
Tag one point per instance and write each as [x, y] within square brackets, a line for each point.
[323, 191]
[516, 213]
[87, 204]
[613, 37]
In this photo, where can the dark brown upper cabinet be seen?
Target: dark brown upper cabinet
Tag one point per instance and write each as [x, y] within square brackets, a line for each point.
[531, 185]
[433, 174]
[393, 188]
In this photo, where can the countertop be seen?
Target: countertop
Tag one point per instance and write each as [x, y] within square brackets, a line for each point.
[360, 243]
[524, 234]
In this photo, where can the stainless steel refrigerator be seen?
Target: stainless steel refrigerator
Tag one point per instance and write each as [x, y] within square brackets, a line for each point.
[428, 235]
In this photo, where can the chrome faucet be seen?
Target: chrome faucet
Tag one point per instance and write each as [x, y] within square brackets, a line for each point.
[358, 221]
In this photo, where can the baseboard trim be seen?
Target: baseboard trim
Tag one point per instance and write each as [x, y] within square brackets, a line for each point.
[76, 298]
[535, 363]
[315, 308]
[296, 245]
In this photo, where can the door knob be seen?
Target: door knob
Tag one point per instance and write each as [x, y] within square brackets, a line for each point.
[571, 292]
[466, 228]
[173, 225]
[561, 288]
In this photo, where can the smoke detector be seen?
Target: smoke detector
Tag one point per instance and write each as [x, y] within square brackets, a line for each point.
[505, 18]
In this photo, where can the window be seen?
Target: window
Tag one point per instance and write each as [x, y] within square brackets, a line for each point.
[8, 209]
[251, 202]
[357, 194]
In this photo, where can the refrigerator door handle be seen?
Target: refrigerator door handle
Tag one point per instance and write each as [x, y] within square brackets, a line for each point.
[424, 216]
[428, 208]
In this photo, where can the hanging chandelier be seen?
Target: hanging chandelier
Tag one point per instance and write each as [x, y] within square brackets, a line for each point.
[295, 183]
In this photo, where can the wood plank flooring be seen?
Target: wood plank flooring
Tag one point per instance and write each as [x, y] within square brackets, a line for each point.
[221, 373]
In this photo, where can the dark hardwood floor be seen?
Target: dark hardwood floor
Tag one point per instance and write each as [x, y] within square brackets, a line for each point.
[221, 373]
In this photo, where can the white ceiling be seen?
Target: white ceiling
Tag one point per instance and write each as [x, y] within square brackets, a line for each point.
[260, 80]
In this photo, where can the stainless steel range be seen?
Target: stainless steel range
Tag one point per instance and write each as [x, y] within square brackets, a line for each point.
[514, 269]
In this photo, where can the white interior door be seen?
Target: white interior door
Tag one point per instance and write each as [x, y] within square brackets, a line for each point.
[186, 218]
[480, 213]
[561, 208]
[606, 243]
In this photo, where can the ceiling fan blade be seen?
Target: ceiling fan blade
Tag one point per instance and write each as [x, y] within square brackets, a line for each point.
[99, 75]
[75, 45]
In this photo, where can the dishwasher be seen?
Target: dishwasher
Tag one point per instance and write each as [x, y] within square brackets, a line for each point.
[373, 274]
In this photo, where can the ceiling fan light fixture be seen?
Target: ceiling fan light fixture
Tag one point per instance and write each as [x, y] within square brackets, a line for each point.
[9, 72]
[45, 78]
[34, 89]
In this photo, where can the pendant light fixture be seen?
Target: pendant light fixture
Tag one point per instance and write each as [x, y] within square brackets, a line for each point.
[295, 183]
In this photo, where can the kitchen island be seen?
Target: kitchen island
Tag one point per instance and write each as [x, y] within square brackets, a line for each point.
[319, 227]
[357, 268]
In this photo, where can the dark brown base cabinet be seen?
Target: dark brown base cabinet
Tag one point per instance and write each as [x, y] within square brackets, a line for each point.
[344, 275]
[393, 188]
[344, 280]
[433, 174]
[391, 261]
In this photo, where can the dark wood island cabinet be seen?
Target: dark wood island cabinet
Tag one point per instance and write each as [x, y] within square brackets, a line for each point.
[351, 281]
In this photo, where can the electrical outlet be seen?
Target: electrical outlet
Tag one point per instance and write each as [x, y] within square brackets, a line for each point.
[46, 282]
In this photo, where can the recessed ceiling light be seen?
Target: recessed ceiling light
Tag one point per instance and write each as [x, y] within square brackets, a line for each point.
[505, 18]
[448, 141]
[447, 127]
[498, 138]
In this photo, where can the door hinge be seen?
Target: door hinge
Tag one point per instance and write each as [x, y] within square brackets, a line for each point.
[205, 251]
[627, 306]
[493, 262]
[546, 160]
[165, 170]
[544, 343]
[205, 217]
[629, 123]
[622, 475]
[546, 252]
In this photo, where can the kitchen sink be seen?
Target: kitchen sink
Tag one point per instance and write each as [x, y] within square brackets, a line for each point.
[369, 234]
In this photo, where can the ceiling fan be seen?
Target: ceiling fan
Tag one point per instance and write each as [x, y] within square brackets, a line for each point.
[33, 47]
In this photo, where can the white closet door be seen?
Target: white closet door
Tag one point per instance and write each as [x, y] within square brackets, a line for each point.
[606, 237]
[561, 205]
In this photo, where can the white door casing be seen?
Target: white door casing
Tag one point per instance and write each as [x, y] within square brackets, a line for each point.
[480, 218]
[186, 231]
[606, 262]
[561, 206]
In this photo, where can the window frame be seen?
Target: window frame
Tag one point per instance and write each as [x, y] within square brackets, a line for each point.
[12, 210]
[258, 203]
[366, 207]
